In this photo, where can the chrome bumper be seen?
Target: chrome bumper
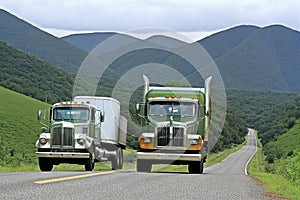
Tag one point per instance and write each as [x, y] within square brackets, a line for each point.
[168, 156]
[62, 155]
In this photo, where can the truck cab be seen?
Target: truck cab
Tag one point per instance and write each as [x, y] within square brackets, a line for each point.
[175, 127]
[74, 130]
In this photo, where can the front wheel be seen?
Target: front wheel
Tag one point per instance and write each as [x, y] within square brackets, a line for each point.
[45, 164]
[90, 163]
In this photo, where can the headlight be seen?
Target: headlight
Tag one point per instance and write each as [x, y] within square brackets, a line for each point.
[146, 141]
[194, 141]
[43, 141]
[81, 141]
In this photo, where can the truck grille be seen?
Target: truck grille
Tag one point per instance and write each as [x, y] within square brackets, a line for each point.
[164, 137]
[64, 138]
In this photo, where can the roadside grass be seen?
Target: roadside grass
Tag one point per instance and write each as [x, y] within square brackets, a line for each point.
[275, 185]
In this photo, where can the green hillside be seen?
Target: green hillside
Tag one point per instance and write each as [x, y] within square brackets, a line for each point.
[19, 128]
[266, 60]
[45, 46]
[26, 74]
[272, 114]
[221, 42]
[279, 169]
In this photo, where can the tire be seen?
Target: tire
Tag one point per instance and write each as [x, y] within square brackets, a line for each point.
[117, 162]
[90, 162]
[196, 167]
[45, 165]
[143, 165]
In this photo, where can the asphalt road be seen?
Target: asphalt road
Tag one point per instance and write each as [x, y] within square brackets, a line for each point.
[227, 180]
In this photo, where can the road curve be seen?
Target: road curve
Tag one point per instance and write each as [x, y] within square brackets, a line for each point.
[227, 180]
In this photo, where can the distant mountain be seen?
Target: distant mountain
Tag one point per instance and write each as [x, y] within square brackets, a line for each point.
[264, 59]
[87, 41]
[30, 39]
[219, 43]
[248, 57]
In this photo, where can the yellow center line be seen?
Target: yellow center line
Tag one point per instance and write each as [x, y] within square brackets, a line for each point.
[72, 177]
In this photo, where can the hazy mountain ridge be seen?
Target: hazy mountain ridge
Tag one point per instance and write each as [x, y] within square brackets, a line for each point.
[45, 46]
[248, 57]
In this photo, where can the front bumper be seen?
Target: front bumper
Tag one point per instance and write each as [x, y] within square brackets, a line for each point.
[62, 155]
[168, 156]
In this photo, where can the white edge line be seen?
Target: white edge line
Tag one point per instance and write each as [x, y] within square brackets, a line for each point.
[246, 166]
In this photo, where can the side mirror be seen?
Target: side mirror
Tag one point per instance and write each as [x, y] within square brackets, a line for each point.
[43, 130]
[102, 116]
[39, 115]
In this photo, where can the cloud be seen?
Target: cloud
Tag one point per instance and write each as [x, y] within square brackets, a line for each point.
[123, 15]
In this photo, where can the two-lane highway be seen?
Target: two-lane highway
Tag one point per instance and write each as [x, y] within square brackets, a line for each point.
[227, 180]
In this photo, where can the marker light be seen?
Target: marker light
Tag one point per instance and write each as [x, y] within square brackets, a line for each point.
[195, 144]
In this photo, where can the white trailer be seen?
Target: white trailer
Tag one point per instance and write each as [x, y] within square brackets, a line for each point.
[113, 129]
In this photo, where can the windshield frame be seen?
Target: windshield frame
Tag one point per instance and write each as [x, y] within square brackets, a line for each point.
[71, 114]
[167, 108]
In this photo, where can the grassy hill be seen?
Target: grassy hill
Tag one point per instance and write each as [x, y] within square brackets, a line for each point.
[282, 176]
[19, 128]
[24, 36]
[28, 75]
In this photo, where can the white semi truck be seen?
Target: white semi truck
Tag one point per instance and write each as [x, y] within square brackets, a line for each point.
[87, 130]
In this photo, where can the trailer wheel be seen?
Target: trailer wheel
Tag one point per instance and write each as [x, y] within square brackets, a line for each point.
[117, 162]
[45, 165]
[196, 167]
[143, 165]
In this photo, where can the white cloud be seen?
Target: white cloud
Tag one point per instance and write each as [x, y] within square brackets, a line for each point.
[124, 15]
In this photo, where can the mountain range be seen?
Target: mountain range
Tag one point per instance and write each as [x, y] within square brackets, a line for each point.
[30, 39]
[248, 57]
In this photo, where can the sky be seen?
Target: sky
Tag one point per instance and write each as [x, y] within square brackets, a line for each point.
[195, 18]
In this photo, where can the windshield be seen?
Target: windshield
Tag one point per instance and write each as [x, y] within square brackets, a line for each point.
[70, 113]
[182, 109]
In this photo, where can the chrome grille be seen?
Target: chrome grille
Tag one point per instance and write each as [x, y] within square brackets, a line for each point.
[164, 137]
[56, 136]
[68, 137]
[62, 138]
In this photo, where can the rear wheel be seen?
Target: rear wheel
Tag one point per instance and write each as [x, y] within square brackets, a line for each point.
[117, 162]
[45, 164]
[143, 165]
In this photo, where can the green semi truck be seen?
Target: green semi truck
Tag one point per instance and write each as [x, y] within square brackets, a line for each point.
[175, 124]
